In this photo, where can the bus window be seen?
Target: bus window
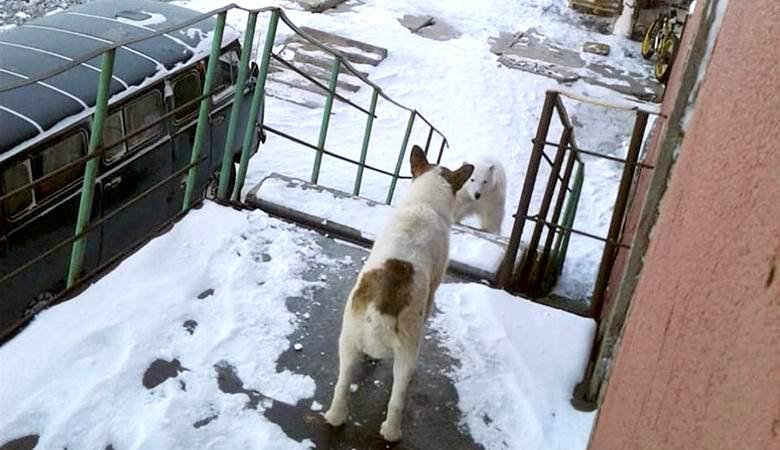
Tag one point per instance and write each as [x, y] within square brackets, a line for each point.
[186, 89]
[226, 74]
[140, 113]
[112, 132]
[13, 178]
[58, 155]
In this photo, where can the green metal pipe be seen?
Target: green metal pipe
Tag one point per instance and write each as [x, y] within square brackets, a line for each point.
[238, 99]
[366, 138]
[90, 171]
[334, 75]
[203, 112]
[400, 161]
[562, 244]
[257, 101]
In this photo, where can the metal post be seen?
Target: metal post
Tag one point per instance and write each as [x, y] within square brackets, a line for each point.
[428, 141]
[258, 98]
[618, 213]
[334, 75]
[441, 150]
[90, 171]
[401, 154]
[366, 137]
[562, 244]
[530, 256]
[548, 245]
[203, 112]
[508, 263]
[238, 99]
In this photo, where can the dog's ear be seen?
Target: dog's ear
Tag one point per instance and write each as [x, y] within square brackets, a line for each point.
[459, 177]
[492, 166]
[418, 162]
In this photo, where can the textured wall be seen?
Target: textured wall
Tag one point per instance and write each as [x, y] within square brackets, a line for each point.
[699, 363]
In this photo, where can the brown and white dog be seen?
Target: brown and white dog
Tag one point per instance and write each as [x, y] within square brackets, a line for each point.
[386, 311]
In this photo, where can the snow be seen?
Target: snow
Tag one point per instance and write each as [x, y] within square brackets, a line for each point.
[515, 376]
[74, 375]
[466, 248]
[153, 19]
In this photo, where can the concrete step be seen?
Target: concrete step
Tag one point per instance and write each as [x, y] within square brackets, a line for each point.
[473, 253]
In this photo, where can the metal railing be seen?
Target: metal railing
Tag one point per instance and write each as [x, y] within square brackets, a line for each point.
[537, 271]
[97, 148]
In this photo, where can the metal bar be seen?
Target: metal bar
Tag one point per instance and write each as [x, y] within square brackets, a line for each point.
[601, 155]
[90, 171]
[558, 204]
[401, 154]
[238, 98]
[530, 254]
[317, 83]
[618, 215]
[565, 228]
[334, 76]
[258, 102]
[203, 112]
[366, 138]
[93, 225]
[508, 263]
[428, 141]
[331, 154]
[562, 243]
[578, 182]
[441, 150]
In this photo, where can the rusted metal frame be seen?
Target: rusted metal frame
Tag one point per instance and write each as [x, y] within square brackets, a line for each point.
[441, 150]
[507, 264]
[317, 83]
[618, 213]
[326, 152]
[563, 189]
[94, 224]
[550, 162]
[568, 229]
[428, 140]
[529, 260]
[601, 155]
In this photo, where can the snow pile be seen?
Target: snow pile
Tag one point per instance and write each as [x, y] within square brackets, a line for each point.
[212, 289]
[469, 248]
[519, 363]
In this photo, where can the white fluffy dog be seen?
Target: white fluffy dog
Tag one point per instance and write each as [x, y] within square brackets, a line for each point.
[484, 195]
[386, 311]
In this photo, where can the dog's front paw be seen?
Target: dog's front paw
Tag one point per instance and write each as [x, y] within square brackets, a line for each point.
[390, 433]
[336, 417]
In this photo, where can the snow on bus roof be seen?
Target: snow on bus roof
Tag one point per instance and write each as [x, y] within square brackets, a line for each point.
[35, 111]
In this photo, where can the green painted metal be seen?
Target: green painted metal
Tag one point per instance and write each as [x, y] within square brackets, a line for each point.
[90, 171]
[366, 138]
[238, 99]
[401, 154]
[562, 243]
[258, 98]
[203, 112]
[334, 75]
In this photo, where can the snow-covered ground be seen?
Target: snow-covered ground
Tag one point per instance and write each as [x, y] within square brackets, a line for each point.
[74, 375]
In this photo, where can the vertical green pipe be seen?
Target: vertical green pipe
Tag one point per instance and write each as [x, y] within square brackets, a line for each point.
[257, 98]
[562, 244]
[238, 99]
[366, 137]
[90, 171]
[400, 161]
[203, 112]
[334, 74]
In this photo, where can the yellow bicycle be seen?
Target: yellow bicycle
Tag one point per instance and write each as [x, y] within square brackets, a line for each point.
[661, 39]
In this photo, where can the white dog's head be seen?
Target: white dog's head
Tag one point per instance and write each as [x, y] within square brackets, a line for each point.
[482, 180]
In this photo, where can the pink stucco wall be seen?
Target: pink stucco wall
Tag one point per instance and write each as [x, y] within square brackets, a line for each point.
[699, 362]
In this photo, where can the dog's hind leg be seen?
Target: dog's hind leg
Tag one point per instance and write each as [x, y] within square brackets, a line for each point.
[404, 365]
[348, 356]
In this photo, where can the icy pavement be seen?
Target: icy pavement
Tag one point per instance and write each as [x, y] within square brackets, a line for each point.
[222, 334]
